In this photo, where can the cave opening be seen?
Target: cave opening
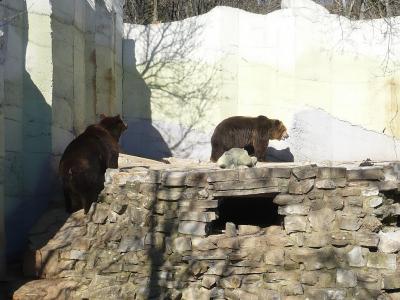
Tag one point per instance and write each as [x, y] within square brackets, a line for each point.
[259, 211]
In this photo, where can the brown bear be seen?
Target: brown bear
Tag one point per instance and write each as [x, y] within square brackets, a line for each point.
[252, 134]
[86, 159]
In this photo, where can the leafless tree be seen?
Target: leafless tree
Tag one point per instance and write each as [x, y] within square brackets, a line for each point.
[182, 88]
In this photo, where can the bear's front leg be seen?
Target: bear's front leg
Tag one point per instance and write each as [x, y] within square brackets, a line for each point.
[260, 150]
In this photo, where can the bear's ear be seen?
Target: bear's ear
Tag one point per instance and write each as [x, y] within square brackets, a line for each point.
[277, 123]
[102, 116]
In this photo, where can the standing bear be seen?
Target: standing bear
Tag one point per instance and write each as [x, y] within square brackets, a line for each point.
[86, 159]
[252, 134]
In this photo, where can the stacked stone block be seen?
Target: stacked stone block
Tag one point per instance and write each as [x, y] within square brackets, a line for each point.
[151, 237]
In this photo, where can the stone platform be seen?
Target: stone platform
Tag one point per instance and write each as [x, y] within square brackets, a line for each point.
[330, 231]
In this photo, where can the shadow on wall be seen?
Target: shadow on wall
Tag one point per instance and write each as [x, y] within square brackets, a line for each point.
[182, 90]
[142, 139]
[283, 155]
[28, 143]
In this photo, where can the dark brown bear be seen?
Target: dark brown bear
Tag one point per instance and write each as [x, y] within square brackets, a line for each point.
[252, 134]
[86, 159]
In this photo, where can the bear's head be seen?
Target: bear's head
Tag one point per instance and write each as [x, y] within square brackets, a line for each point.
[278, 131]
[114, 125]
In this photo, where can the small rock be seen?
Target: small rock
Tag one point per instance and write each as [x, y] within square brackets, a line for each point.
[182, 244]
[381, 261]
[355, 257]
[209, 281]
[349, 223]
[231, 282]
[305, 172]
[295, 223]
[230, 229]
[248, 229]
[274, 256]
[300, 187]
[322, 220]
[371, 191]
[391, 282]
[193, 228]
[235, 158]
[325, 184]
[374, 201]
[346, 278]
[389, 242]
[285, 199]
[294, 209]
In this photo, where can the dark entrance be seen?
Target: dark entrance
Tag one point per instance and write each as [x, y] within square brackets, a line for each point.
[260, 211]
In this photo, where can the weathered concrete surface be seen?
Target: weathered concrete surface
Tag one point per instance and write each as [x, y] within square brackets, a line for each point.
[299, 64]
[62, 68]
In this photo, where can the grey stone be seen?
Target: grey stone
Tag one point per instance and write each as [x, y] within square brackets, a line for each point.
[230, 229]
[370, 191]
[118, 207]
[367, 239]
[351, 191]
[236, 157]
[354, 201]
[248, 229]
[274, 256]
[389, 242]
[256, 173]
[172, 194]
[331, 172]
[334, 202]
[223, 175]
[381, 261]
[294, 209]
[371, 223]
[230, 243]
[300, 187]
[193, 228]
[365, 174]
[325, 184]
[349, 223]
[355, 257]
[209, 281]
[317, 239]
[374, 201]
[346, 278]
[182, 244]
[342, 238]
[285, 199]
[322, 220]
[131, 243]
[295, 223]
[231, 282]
[100, 214]
[305, 172]
[198, 216]
[391, 282]
[173, 178]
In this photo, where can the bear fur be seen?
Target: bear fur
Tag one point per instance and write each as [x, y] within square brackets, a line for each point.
[85, 160]
[252, 134]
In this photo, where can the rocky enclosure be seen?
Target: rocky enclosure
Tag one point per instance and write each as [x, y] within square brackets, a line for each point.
[153, 236]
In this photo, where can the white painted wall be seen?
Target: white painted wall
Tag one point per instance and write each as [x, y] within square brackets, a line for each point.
[321, 74]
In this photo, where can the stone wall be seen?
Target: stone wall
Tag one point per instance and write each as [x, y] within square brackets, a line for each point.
[153, 235]
[62, 69]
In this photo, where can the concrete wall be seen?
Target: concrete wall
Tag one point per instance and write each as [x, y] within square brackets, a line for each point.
[3, 45]
[295, 63]
[62, 66]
